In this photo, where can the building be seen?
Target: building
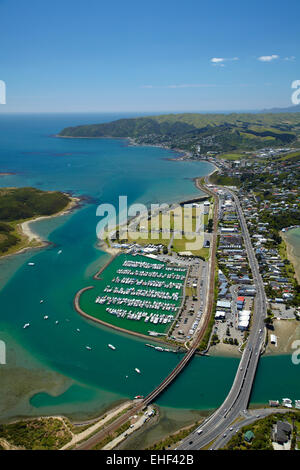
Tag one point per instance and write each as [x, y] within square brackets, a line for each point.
[273, 339]
[220, 315]
[249, 436]
[243, 325]
[282, 432]
[206, 207]
[223, 304]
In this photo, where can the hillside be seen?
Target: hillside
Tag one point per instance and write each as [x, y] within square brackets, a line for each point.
[289, 109]
[19, 204]
[215, 132]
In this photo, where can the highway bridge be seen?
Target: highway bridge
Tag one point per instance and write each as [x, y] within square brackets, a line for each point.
[96, 438]
[236, 402]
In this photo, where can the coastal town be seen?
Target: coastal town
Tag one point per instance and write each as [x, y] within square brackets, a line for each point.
[150, 230]
[208, 276]
[251, 266]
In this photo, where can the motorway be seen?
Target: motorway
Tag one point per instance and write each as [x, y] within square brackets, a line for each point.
[101, 434]
[236, 402]
[248, 418]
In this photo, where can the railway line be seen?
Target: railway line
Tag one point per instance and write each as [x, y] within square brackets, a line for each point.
[99, 436]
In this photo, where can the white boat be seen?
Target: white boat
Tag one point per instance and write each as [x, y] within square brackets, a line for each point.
[77, 329]
[89, 348]
[26, 325]
[111, 346]
[137, 370]
[56, 323]
[41, 301]
[30, 264]
[59, 252]
[46, 317]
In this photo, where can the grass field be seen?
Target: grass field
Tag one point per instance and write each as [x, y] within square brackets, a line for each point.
[231, 156]
[164, 225]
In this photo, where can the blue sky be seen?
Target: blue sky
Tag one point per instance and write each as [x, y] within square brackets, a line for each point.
[70, 55]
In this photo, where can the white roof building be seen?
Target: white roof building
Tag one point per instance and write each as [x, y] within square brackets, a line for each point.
[223, 304]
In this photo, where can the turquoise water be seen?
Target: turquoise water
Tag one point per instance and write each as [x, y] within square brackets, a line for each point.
[88, 381]
[87, 299]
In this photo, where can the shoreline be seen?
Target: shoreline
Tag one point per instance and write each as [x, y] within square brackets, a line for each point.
[33, 240]
[290, 255]
[132, 143]
[32, 235]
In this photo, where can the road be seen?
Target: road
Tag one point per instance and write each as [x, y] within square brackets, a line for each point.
[250, 417]
[238, 397]
[100, 435]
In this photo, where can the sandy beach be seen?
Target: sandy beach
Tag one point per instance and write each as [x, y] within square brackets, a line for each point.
[30, 239]
[27, 230]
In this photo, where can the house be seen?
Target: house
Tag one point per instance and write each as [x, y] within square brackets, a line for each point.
[282, 432]
[249, 436]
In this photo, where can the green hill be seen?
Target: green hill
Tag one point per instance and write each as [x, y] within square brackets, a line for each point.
[19, 204]
[224, 132]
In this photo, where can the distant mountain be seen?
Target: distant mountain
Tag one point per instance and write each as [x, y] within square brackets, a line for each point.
[290, 109]
[212, 132]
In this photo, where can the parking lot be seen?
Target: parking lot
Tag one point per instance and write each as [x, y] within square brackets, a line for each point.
[192, 310]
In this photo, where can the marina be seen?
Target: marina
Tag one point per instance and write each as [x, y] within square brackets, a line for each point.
[135, 292]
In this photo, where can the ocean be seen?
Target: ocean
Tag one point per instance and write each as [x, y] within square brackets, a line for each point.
[49, 370]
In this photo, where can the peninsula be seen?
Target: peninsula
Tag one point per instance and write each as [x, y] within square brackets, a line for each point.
[190, 132]
[18, 207]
